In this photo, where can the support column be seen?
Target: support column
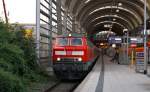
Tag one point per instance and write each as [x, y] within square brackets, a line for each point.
[127, 46]
[50, 34]
[145, 37]
[79, 27]
[76, 26]
[59, 20]
[83, 31]
[65, 21]
[73, 24]
[38, 31]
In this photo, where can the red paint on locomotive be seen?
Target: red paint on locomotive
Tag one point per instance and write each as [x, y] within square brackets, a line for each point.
[86, 52]
[73, 56]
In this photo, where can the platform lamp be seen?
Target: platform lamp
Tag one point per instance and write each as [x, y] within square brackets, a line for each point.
[145, 38]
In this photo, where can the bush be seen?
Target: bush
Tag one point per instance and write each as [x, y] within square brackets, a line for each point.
[5, 66]
[18, 65]
[28, 47]
[12, 55]
[10, 83]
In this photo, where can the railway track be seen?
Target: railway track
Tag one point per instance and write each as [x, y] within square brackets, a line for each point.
[66, 86]
[63, 86]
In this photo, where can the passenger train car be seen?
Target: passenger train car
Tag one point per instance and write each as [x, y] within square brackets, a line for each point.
[73, 56]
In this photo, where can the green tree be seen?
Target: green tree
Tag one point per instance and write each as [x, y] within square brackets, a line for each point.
[18, 65]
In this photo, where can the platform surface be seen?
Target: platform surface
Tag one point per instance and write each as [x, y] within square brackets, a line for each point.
[117, 78]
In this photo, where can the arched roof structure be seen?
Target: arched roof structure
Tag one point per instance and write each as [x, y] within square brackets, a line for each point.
[94, 14]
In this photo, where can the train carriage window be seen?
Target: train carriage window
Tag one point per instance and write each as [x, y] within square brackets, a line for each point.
[76, 41]
[62, 41]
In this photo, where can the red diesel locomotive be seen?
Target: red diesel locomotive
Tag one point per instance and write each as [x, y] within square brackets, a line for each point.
[73, 56]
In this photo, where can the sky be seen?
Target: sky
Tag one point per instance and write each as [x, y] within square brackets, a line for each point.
[21, 11]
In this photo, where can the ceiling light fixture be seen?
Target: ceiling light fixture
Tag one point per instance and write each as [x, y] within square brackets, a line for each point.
[87, 1]
[119, 4]
[117, 10]
[114, 19]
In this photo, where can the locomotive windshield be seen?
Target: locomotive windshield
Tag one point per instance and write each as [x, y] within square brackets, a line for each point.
[69, 41]
[62, 41]
[76, 41]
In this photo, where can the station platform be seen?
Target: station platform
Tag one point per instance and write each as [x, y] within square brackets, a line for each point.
[111, 77]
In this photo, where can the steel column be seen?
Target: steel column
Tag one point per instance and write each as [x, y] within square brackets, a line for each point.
[73, 24]
[65, 21]
[50, 33]
[145, 38]
[38, 31]
[59, 20]
[127, 46]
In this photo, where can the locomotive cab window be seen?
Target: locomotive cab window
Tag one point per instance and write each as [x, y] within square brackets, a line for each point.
[76, 41]
[62, 41]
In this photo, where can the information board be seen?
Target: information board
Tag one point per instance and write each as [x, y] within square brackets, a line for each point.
[139, 61]
[136, 40]
[140, 54]
[115, 40]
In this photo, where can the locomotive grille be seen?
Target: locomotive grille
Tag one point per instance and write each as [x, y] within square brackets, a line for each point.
[69, 59]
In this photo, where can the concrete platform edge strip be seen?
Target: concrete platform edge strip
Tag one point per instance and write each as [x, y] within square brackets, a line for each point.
[100, 85]
[89, 84]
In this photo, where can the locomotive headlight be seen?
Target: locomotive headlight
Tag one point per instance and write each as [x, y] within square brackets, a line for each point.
[77, 52]
[58, 59]
[60, 52]
[79, 59]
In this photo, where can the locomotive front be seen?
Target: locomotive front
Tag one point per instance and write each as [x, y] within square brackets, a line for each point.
[70, 57]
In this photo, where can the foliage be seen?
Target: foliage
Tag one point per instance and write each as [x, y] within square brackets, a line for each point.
[18, 65]
[10, 83]
[27, 45]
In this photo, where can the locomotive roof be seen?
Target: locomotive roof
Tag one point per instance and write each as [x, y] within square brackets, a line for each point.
[72, 35]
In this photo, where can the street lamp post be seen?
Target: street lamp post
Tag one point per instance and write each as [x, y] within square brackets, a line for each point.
[145, 39]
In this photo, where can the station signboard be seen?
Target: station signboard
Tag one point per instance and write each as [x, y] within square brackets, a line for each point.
[139, 62]
[133, 45]
[136, 40]
[115, 40]
[140, 54]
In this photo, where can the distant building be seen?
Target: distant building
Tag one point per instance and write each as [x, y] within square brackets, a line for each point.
[33, 27]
